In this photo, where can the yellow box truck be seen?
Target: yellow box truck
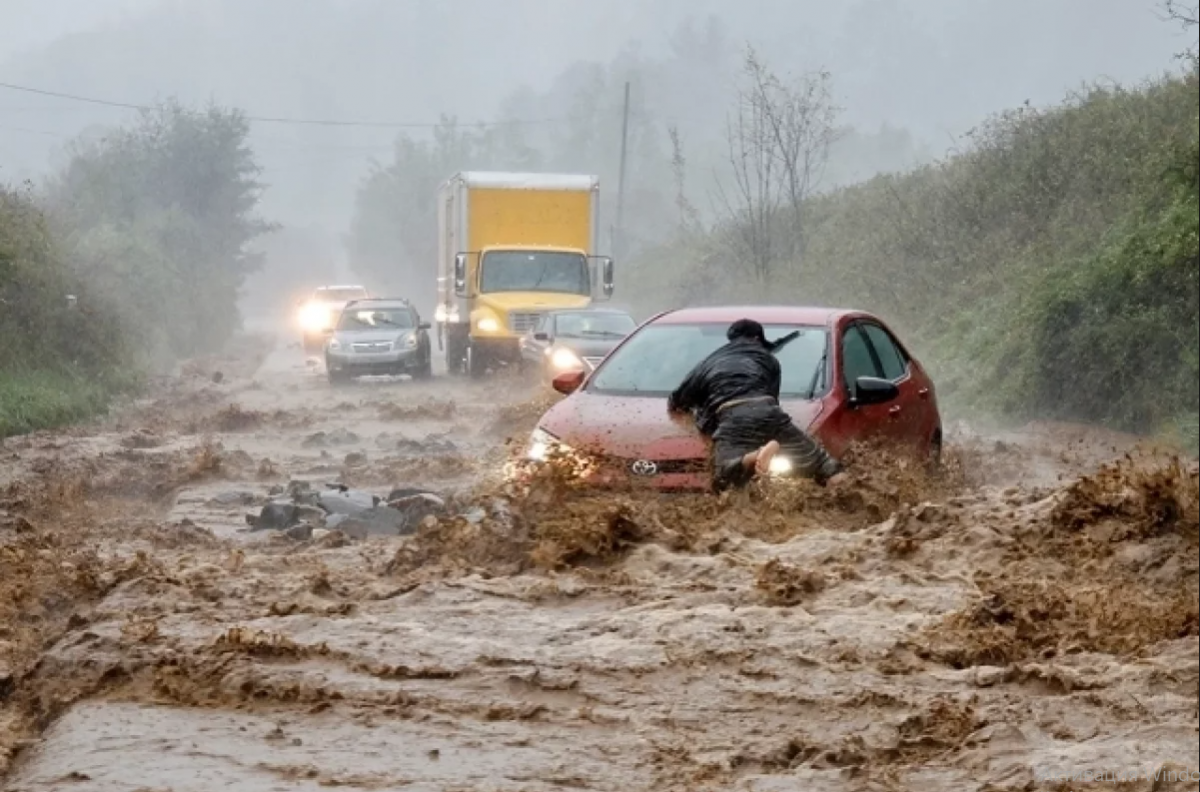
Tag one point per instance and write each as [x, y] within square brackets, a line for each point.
[512, 246]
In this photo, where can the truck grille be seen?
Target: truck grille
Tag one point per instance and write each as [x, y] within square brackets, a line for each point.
[523, 322]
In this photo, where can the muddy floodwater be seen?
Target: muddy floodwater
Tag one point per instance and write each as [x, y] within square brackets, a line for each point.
[240, 584]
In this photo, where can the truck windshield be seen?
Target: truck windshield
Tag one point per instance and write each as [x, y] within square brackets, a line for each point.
[534, 271]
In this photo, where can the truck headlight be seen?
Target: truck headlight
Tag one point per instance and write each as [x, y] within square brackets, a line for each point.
[487, 325]
[566, 359]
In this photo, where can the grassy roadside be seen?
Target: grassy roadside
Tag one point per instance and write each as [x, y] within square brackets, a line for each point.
[50, 398]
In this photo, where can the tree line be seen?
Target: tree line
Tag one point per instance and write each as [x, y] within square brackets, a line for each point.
[126, 260]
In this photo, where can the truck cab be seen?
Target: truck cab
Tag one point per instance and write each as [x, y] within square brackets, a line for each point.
[513, 247]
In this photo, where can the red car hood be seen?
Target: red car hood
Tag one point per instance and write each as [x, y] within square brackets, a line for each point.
[637, 427]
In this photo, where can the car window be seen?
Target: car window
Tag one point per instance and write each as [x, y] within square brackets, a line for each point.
[890, 357]
[377, 319]
[856, 357]
[655, 359]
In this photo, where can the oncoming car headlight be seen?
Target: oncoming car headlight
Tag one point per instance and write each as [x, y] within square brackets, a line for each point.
[565, 359]
[314, 316]
[780, 466]
[487, 324]
[410, 341]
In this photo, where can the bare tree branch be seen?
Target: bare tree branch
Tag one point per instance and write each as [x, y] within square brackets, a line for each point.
[689, 218]
[778, 149]
[1183, 12]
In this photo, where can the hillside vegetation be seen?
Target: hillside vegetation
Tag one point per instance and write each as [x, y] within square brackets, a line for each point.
[1048, 270]
[127, 260]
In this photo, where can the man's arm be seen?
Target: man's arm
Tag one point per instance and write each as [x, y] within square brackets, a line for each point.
[774, 377]
[689, 395]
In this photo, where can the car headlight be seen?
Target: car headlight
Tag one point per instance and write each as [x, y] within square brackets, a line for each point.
[334, 345]
[565, 359]
[542, 444]
[314, 316]
[487, 324]
[410, 341]
[780, 466]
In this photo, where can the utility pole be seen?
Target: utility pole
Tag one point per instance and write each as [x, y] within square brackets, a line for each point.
[619, 236]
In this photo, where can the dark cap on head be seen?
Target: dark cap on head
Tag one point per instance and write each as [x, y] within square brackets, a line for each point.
[746, 328]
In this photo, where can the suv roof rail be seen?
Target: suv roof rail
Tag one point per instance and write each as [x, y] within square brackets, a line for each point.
[404, 300]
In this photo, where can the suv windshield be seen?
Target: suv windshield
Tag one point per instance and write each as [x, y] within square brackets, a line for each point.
[340, 295]
[377, 319]
[656, 359]
[534, 271]
[593, 325]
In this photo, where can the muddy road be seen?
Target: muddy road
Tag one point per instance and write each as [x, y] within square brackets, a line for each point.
[1028, 616]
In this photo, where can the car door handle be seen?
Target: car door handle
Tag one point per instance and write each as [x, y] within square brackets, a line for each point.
[894, 410]
[923, 393]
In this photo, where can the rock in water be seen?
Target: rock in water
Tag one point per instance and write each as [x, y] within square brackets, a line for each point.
[348, 502]
[276, 516]
[378, 521]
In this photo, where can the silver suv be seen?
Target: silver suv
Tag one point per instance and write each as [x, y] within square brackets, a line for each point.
[378, 336]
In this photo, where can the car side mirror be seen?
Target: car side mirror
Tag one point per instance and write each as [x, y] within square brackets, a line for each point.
[460, 274]
[541, 336]
[873, 390]
[423, 325]
[606, 277]
[568, 382]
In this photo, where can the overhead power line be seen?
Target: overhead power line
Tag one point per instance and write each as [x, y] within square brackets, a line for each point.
[279, 119]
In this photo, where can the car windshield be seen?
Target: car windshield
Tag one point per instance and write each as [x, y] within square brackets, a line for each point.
[593, 325]
[654, 361]
[377, 319]
[340, 295]
[534, 271]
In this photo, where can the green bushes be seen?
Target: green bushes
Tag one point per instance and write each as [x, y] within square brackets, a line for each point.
[129, 259]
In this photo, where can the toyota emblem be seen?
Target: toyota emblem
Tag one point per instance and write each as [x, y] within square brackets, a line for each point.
[643, 467]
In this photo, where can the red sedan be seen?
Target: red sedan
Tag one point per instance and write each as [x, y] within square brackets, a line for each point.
[846, 378]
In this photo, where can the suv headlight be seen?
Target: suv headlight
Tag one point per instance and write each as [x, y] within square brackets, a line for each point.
[334, 345]
[410, 341]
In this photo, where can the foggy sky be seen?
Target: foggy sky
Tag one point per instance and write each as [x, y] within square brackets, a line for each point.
[933, 67]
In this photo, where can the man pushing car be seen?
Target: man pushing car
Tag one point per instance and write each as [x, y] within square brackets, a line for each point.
[733, 395]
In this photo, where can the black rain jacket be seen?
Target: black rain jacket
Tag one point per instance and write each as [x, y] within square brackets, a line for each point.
[742, 369]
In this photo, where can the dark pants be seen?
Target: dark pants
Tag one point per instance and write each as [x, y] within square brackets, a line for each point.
[748, 427]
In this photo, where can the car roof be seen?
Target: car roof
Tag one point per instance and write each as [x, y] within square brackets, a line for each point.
[381, 302]
[766, 314]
